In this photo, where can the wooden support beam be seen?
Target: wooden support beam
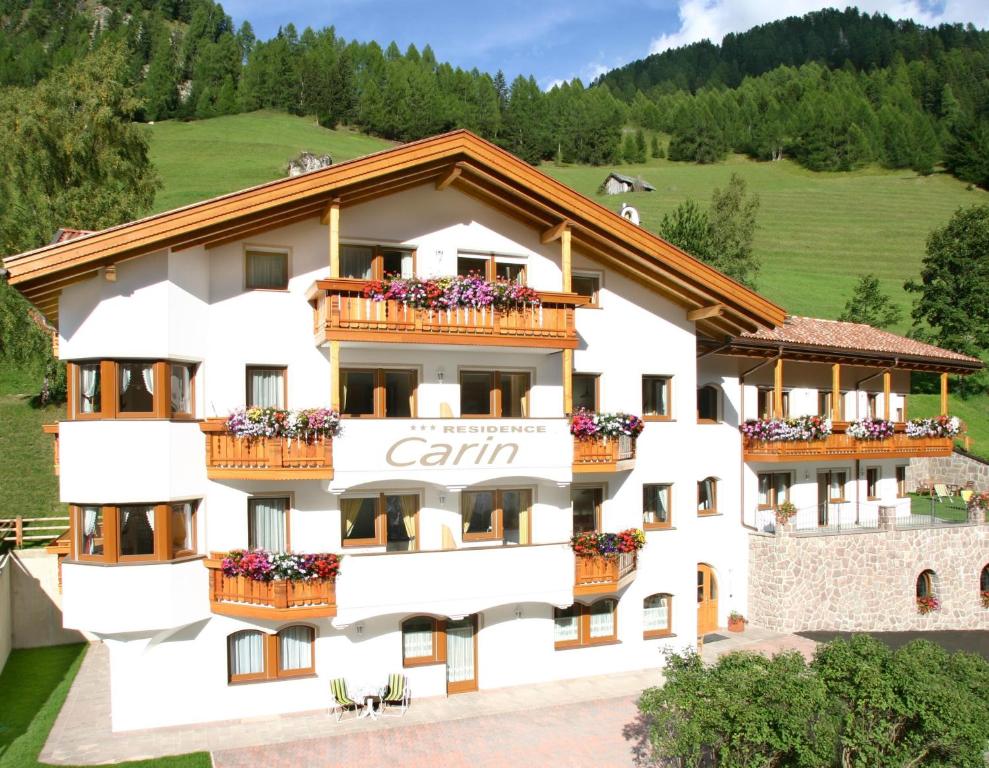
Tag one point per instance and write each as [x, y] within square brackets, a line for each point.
[554, 233]
[778, 390]
[886, 382]
[702, 313]
[335, 375]
[449, 178]
[836, 392]
[566, 260]
[331, 217]
[568, 381]
[944, 394]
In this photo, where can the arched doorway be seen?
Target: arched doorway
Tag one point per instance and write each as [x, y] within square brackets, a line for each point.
[707, 599]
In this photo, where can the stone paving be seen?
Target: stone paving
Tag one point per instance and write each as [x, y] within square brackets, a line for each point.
[592, 720]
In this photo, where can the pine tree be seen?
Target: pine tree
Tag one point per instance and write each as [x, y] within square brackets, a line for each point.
[869, 305]
[656, 148]
[640, 146]
[630, 153]
[160, 88]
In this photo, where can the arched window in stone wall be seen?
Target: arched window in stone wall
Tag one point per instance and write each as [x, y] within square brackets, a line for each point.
[984, 586]
[927, 589]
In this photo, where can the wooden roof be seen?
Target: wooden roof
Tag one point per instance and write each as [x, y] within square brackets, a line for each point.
[460, 159]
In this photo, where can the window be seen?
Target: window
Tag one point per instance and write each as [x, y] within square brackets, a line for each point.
[266, 270]
[585, 391]
[389, 520]
[266, 387]
[495, 394]
[984, 581]
[379, 393]
[926, 584]
[253, 655]
[872, 476]
[872, 405]
[657, 616]
[584, 625]
[656, 506]
[134, 532]
[586, 502]
[423, 641]
[707, 404]
[374, 262]
[136, 388]
[146, 389]
[492, 267]
[765, 403]
[835, 483]
[267, 524]
[588, 285]
[656, 397]
[496, 514]
[774, 489]
[707, 496]
[901, 482]
[180, 390]
[825, 403]
[89, 390]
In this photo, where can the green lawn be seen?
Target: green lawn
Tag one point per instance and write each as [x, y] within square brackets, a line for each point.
[952, 508]
[974, 411]
[33, 687]
[205, 158]
[30, 487]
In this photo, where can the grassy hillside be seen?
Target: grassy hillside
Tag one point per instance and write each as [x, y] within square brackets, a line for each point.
[205, 158]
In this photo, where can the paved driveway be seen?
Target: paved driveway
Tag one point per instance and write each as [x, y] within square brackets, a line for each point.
[592, 734]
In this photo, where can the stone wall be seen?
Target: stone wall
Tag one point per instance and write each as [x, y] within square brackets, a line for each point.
[957, 469]
[6, 618]
[866, 581]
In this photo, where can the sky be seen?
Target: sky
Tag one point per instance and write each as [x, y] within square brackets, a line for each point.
[557, 40]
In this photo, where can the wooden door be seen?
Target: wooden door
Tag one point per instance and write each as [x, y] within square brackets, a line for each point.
[461, 655]
[707, 599]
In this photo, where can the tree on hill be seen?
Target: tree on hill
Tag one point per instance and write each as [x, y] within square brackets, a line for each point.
[655, 148]
[869, 305]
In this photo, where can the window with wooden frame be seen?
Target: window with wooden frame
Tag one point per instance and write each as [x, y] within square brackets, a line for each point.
[708, 401]
[378, 392]
[657, 616]
[765, 405]
[253, 656]
[656, 506]
[496, 515]
[587, 284]
[423, 641]
[130, 389]
[495, 394]
[586, 501]
[656, 394]
[926, 584]
[774, 489]
[390, 520]
[835, 481]
[586, 392]
[267, 386]
[825, 403]
[268, 523]
[872, 405]
[265, 269]
[491, 267]
[375, 262]
[585, 625]
[111, 534]
[901, 482]
[872, 477]
[707, 496]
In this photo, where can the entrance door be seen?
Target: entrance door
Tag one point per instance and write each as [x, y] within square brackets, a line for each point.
[823, 497]
[461, 655]
[707, 599]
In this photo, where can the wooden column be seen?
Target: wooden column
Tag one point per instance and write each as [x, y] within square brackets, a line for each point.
[836, 392]
[566, 264]
[335, 375]
[332, 217]
[886, 379]
[778, 390]
[567, 381]
[944, 394]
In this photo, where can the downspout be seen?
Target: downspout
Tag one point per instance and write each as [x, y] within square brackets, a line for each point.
[741, 420]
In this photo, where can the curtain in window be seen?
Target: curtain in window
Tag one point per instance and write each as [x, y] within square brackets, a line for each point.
[459, 651]
[91, 530]
[705, 494]
[89, 381]
[355, 262]
[655, 613]
[266, 524]
[295, 648]
[267, 270]
[137, 525]
[524, 518]
[351, 509]
[410, 504]
[245, 651]
[148, 376]
[181, 527]
[124, 378]
[267, 387]
[565, 626]
[181, 379]
[602, 619]
[417, 639]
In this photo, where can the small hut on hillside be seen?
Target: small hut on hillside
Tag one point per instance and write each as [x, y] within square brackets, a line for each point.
[618, 184]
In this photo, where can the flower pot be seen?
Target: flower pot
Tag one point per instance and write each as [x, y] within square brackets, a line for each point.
[736, 625]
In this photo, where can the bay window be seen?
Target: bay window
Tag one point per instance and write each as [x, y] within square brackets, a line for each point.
[112, 534]
[131, 389]
[253, 655]
[585, 625]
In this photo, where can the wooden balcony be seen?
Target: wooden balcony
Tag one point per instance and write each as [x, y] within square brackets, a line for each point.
[241, 458]
[604, 455]
[341, 313]
[600, 575]
[276, 600]
[839, 445]
[52, 429]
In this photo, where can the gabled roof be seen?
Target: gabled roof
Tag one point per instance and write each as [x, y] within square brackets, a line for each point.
[631, 180]
[65, 233]
[459, 158]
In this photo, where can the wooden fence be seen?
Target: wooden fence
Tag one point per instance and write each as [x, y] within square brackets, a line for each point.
[18, 530]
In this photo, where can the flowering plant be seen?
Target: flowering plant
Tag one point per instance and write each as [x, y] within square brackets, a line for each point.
[985, 598]
[979, 502]
[871, 429]
[928, 604]
[451, 292]
[307, 424]
[939, 426]
[787, 430]
[586, 425]
[735, 616]
[609, 545]
[261, 565]
[785, 511]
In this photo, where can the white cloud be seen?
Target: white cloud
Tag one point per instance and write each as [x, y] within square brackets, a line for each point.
[713, 19]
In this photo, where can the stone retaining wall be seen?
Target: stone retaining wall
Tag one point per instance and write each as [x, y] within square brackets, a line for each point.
[6, 618]
[866, 581]
[958, 469]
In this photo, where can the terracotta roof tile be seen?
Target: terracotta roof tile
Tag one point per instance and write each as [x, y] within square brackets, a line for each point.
[817, 332]
[65, 233]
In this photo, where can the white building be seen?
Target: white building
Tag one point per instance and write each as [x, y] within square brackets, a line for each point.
[455, 485]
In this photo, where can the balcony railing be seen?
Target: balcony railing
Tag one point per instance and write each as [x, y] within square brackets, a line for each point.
[599, 575]
[342, 313]
[229, 457]
[614, 454]
[245, 598]
[840, 445]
